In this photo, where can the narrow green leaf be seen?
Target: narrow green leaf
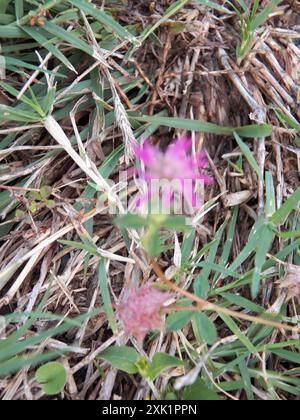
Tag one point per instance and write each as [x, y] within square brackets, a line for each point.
[213, 5]
[31, 103]
[20, 346]
[286, 119]
[106, 297]
[230, 236]
[263, 246]
[11, 32]
[291, 356]
[246, 380]
[254, 130]
[241, 336]
[17, 363]
[79, 245]
[264, 14]
[187, 247]
[8, 113]
[37, 34]
[103, 17]
[242, 302]
[251, 131]
[174, 8]
[6, 19]
[250, 246]
[178, 223]
[68, 37]
[48, 101]
[201, 283]
[3, 5]
[270, 206]
[12, 61]
[219, 269]
[248, 155]
[289, 205]
[19, 9]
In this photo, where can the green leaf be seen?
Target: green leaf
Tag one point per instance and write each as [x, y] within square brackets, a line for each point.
[152, 241]
[199, 391]
[289, 205]
[250, 246]
[286, 119]
[246, 379]
[12, 61]
[79, 245]
[8, 113]
[13, 347]
[270, 206]
[131, 221]
[106, 297]
[242, 302]
[187, 247]
[241, 335]
[17, 363]
[213, 5]
[161, 362]
[206, 328]
[19, 9]
[263, 246]
[251, 131]
[68, 37]
[286, 235]
[178, 320]
[45, 192]
[50, 204]
[123, 358]
[254, 130]
[38, 35]
[33, 207]
[174, 8]
[3, 5]
[6, 19]
[53, 378]
[30, 102]
[244, 6]
[230, 237]
[102, 17]
[48, 101]
[201, 283]
[248, 155]
[291, 356]
[10, 31]
[264, 14]
[178, 223]
[219, 269]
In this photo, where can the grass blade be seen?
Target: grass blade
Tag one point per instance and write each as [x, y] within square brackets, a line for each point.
[104, 18]
[289, 205]
[251, 131]
[266, 237]
[248, 155]
[106, 297]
